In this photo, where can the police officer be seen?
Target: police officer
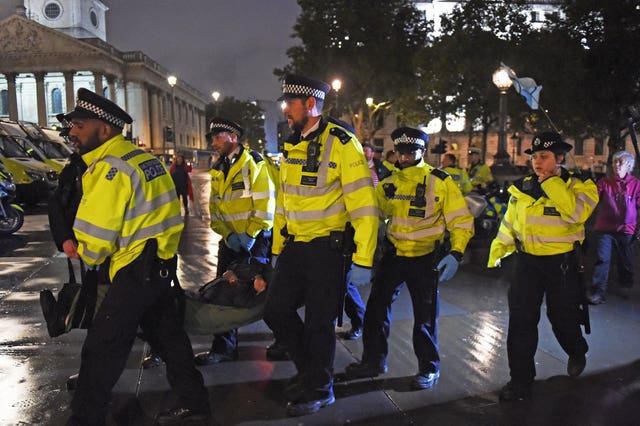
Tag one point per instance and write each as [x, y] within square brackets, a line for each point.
[479, 173]
[129, 211]
[421, 203]
[458, 174]
[324, 185]
[242, 204]
[545, 217]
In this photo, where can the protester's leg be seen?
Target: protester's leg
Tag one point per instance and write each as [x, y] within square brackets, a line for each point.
[601, 267]
[354, 308]
[624, 246]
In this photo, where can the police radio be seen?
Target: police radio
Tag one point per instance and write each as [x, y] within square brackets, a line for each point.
[313, 151]
[420, 199]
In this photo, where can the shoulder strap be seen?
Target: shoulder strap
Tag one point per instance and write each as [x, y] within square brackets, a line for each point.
[72, 274]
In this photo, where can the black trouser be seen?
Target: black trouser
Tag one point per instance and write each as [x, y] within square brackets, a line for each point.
[353, 305]
[308, 274]
[534, 276]
[183, 191]
[227, 342]
[133, 301]
[391, 273]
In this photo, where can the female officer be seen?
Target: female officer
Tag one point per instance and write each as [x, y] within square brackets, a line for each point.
[545, 217]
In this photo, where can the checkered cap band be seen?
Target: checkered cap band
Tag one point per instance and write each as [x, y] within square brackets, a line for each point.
[298, 89]
[102, 114]
[546, 144]
[408, 139]
[216, 126]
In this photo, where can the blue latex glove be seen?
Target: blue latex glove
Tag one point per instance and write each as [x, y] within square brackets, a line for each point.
[246, 241]
[360, 275]
[233, 241]
[447, 267]
[274, 260]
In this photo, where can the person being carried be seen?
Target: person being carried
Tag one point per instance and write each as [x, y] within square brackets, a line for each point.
[242, 285]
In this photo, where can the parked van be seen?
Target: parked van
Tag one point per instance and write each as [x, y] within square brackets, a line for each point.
[34, 142]
[35, 180]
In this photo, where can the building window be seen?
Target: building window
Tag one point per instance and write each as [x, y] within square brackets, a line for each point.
[94, 18]
[599, 148]
[52, 10]
[535, 16]
[56, 101]
[4, 102]
[578, 149]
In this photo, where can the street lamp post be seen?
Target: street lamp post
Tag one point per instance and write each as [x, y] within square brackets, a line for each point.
[172, 80]
[216, 95]
[503, 83]
[336, 85]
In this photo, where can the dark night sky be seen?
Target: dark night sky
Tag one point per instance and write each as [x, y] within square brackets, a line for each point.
[231, 46]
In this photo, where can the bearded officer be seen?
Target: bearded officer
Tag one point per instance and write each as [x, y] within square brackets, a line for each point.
[325, 188]
[128, 211]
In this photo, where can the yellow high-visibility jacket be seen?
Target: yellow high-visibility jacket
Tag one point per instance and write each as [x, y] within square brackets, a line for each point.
[414, 228]
[128, 198]
[461, 178]
[480, 175]
[544, 219]
[312, 203]
[245, 200]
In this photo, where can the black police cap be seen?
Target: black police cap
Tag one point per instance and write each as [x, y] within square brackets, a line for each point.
[408, 139]
[548, 141]
[298, 86]
[65, 125]
[219, 124]
[92, 105]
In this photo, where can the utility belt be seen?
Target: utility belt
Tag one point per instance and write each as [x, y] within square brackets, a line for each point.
[341, 241]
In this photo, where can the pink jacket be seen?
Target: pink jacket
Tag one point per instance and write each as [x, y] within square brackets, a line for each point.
[619, 199]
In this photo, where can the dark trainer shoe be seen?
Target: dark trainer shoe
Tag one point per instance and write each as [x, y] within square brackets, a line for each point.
[354, 334]
[294, 388]
[575, 365]
[309, 405]
[597, 299]
[277, 352]
[361, 369]
[425, 380]
[178, 415]
[515, 391]
[208, 358]
[72, 382]
[151, 361]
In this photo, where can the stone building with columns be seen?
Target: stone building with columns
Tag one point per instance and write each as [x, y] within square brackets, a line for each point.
[55, 47]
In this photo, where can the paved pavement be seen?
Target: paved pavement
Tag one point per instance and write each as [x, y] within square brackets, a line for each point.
[34, 367]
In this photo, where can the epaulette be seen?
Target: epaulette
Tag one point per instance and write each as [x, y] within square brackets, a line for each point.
[583, 175]
[440, 174]
[256, 156]
[340, 134]
[341, 123]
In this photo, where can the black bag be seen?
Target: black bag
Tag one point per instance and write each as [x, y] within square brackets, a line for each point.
[85, 302]
[55, 311]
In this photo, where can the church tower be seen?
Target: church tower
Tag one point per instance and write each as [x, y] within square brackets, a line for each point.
[77, 18]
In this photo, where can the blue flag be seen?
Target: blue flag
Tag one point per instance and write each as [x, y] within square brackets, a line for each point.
[526, 87]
